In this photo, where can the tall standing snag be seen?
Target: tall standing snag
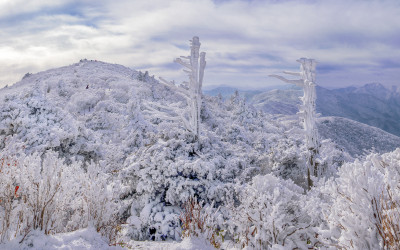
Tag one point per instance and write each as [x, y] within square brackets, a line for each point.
[307, 112]
[191, 91]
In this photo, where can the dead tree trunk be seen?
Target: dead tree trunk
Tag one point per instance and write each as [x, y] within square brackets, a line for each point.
[191, 91]
[307, 112]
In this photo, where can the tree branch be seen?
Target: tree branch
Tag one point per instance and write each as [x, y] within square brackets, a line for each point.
[185, 64]
[292, 73]
[299, 83]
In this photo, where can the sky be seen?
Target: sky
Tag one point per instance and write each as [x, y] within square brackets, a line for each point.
[354, 42]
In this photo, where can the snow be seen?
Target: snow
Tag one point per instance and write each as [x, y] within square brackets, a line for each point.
[89, 239]
[357, 138]
[86, 238]
[191, 243]
[278, 101]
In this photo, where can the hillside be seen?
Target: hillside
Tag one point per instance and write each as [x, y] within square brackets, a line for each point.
[354, 138]
[94, 110]
[227, 92]
[357, 138]
[278, 101]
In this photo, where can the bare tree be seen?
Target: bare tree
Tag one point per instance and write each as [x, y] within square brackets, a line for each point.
[307, 112]
[191, 91]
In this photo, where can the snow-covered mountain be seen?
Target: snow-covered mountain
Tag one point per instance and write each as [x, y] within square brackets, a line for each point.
[371, 104]
[100, 144]
[226, 91]
[356, 138]
[278, 101]
[94, 111]
[351, 136]
[115, 117]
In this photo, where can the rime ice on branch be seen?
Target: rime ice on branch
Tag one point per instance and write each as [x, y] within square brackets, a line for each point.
[307, 111]
[191, 91]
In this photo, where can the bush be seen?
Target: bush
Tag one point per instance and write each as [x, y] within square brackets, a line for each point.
[8, 196]
[270, 214]
[363, 210]
[197, 221]
[100, 204]
[40, 192]
[387, 216]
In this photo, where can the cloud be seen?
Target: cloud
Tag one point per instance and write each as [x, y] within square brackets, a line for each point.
[245, 40]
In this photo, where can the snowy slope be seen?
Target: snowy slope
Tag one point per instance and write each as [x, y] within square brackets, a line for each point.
[89, 239]
[352, 137]
[355, 137]
[85, 110]
[278, 101]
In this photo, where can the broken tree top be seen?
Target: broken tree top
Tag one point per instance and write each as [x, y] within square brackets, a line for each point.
[307, 72]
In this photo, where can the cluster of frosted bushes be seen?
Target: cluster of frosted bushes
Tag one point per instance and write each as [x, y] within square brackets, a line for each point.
[363, 210]
[271, 213]
[41, 192]
[359, 208]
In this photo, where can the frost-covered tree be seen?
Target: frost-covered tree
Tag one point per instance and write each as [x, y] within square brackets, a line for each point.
[307, 112]
[191, 91]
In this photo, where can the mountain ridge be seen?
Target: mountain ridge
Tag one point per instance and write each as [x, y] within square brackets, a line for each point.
[372, 104]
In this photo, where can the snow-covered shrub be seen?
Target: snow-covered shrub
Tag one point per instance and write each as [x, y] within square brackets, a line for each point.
[100, 202]
[237, 143]
[8, 195]
[287, 156]
[41, 192]
[388, 220]
[270, 214]
[38, 195]
[48, 190]
[198, 221]
[358, 197]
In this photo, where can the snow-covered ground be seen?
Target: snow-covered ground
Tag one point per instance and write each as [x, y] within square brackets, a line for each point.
[88, 238]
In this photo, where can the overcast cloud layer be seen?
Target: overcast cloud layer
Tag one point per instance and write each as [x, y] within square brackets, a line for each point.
[354, 42]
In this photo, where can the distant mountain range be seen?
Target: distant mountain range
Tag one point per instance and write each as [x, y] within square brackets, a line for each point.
[372, 104]
[226, 91]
